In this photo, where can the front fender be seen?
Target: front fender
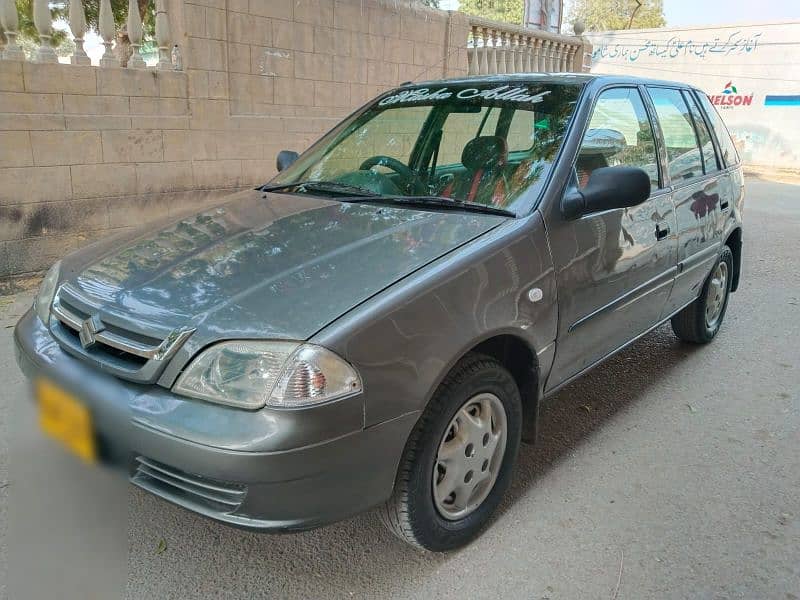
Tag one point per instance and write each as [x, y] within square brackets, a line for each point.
[405, 340]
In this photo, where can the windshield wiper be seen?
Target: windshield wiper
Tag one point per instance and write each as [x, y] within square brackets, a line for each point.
[321, 186]
[441, 201]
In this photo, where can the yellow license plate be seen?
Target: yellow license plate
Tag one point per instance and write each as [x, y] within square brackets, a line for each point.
[66, 419]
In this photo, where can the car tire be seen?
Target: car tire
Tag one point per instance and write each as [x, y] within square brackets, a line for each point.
[478, 390]
[699, 322]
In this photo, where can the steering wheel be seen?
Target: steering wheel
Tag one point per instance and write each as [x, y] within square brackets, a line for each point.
[411, 178]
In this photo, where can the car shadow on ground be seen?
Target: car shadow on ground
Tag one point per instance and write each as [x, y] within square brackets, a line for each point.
[582, 408]
[359, 552]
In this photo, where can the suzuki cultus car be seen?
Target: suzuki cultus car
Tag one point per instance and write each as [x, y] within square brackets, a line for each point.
[379, 324]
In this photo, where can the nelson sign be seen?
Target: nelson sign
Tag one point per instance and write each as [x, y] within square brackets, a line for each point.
[731, 97]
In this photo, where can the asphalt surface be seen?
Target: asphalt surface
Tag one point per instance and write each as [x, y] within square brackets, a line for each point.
[669, 472]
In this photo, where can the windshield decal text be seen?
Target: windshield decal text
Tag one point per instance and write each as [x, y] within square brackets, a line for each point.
[503, 92]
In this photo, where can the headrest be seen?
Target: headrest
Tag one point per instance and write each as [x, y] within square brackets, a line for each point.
[484, 152]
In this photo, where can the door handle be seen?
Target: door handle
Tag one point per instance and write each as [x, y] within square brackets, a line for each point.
[661, 232]
[724, 205]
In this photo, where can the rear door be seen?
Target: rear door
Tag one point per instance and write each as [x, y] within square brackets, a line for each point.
[699, 189]
[614, 269]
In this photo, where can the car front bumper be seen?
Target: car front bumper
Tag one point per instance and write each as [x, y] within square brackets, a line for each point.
[269, 470]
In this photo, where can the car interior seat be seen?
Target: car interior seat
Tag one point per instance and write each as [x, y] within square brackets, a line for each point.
[484, 159]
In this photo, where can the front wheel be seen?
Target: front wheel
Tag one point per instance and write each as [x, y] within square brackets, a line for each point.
[458, 460]
[699, 322]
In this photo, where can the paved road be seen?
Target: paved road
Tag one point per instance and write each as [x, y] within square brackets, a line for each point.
[669, 472]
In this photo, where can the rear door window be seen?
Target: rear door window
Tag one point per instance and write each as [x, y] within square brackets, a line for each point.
[683, 151]
[710, 163]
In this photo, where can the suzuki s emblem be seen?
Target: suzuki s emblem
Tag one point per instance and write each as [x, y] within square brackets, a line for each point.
[89, 330]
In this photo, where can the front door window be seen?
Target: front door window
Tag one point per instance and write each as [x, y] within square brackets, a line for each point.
[619, 134]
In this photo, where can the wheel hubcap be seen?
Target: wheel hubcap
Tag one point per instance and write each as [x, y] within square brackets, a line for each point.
[715, 298]
[470, 456]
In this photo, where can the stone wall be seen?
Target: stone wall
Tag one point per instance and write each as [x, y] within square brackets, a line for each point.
[85, 151]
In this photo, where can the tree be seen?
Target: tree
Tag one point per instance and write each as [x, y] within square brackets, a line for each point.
[508, 11]
[431, 3]
[606, 15]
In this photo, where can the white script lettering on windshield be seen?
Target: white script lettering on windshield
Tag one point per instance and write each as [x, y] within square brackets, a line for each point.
[504, 92]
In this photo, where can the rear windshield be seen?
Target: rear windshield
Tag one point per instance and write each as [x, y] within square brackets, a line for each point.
[488, 143]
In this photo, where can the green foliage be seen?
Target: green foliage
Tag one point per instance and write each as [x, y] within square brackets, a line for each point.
[605, 15]
[431, 3]
[507, 11]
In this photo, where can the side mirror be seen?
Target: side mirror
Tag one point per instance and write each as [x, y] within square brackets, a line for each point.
[608, 188]
[285, 159]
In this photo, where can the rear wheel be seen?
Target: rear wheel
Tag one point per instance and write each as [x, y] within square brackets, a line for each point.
[458, 460]
[699, 322]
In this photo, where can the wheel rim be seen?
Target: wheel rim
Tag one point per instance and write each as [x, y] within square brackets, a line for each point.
[715, 297]
[470, 456]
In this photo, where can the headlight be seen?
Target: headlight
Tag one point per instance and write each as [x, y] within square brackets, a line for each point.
[44, 299]
[252, 374]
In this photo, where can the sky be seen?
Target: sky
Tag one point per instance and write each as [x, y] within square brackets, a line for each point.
[716, 12]
[723, 12]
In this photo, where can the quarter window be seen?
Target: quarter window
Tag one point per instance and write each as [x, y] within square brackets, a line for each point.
[619, 134]
[726, 146]
[680, 139]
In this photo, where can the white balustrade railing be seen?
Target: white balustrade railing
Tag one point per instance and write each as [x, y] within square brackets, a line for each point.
[495, 47]
[43, 21]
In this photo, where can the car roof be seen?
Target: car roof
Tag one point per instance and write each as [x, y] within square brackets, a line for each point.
[574, 78]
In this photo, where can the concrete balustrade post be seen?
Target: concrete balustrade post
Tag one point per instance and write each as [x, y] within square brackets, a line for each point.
[544, 52]
[493, 52]
[472, 54]
[107, 32]
[533, 57]
[135, 36]
[163, 37]
[77, 24]
[571, 58]
[9, 20]
[43, 21]
[484, 70]
[555, 64]
[502, 63]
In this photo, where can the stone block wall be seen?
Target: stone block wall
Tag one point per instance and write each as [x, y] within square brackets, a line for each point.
[86, 151]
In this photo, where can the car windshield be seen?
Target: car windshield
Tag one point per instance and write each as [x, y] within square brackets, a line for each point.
[488, 143]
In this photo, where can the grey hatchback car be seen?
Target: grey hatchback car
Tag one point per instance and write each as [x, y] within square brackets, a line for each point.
[379, 325]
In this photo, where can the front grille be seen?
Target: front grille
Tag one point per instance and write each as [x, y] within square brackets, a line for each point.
[184, 488]
[119, 356]
[81, 331]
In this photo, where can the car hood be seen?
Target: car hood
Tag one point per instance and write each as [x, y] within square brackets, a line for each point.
[264, 265]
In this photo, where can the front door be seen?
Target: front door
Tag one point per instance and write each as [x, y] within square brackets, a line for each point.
[614, 269]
